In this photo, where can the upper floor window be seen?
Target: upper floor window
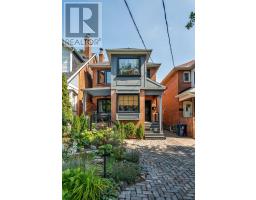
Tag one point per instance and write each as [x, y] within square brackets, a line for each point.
[186, 76]
[148, 73]
[104, 77]
[128, 103]
[129, 66]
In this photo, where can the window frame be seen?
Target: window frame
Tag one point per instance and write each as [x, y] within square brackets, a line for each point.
[118, 69]
[189, 76]
[117, 106]
[105, 77]
[103, 99]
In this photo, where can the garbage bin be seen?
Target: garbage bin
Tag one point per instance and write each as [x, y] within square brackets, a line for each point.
[182, 130]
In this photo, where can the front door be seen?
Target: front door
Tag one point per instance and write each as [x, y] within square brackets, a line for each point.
[148, 110]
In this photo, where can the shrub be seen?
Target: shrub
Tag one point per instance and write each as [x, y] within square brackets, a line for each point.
[129, 129]
[107, 148]
[76, 125]
[66, 105]
[78, 184]
[125, 171]
[118, 153]
[140, 132]
[132, 156]
[84, 123]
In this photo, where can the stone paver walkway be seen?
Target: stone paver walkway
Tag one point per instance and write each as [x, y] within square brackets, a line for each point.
[170, 168]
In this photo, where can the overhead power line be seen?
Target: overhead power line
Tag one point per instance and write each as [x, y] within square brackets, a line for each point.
[129, 10]
[167, 29]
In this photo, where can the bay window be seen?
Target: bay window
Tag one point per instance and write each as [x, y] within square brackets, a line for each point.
[128, 103]
[128, 67]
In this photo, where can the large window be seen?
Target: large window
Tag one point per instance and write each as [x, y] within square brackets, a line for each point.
[104, 106]
[128, 66]
[128, 103]
[104, 77]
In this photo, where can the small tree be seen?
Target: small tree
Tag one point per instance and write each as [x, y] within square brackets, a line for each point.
[191, 22]
[66, 105]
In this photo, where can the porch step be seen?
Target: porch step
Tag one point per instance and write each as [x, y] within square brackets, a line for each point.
[154, 136]
[150, 126]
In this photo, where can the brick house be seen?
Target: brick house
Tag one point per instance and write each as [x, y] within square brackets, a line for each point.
[179, 97]
[124, 88]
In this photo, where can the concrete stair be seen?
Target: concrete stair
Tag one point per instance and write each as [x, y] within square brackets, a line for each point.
[152, 131]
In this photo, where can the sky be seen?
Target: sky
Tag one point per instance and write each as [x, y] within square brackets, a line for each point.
[118, 30]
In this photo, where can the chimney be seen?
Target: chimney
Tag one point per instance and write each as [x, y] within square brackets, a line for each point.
[87, 46]
[101, 56]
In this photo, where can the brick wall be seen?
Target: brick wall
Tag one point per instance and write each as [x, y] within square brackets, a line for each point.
[170, 103]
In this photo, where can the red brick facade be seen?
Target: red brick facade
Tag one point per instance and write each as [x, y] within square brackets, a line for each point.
[172, 107]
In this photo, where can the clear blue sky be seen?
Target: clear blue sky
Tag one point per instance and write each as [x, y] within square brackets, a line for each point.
[118, 30]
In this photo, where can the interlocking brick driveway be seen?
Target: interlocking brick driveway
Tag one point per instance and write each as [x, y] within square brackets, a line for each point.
[170, 168]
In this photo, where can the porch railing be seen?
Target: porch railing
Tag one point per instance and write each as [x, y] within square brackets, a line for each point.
[104, 118]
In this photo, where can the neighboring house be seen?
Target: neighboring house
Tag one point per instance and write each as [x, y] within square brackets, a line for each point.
[125, 89]
[179, 97]
[75, 67]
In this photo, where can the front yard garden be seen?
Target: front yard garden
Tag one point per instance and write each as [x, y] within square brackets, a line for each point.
[96, 165]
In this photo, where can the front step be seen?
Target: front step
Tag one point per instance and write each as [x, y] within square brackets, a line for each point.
[154, 136]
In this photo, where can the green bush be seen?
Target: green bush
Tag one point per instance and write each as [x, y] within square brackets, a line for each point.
[80, 184]
[84, 123]
[66, 105]
[106, 148]
[125, 171]
[129, 129]
[132, 156]
[76, 125]
[140, 132]
[118, 153]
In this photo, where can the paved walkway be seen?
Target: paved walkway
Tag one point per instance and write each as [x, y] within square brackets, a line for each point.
[170, 168]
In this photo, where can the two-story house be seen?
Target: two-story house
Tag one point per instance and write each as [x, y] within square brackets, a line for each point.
[124, 88]
[179, 97]
[75, 67]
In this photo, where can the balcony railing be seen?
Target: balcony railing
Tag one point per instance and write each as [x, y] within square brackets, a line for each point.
[101, 117]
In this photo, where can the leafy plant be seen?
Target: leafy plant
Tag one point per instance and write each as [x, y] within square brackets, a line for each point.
[66, 105]
[191, 21]
[76, 125]
[140, 132]
[132, 156]
[84, 123]
[105, 149]
[79, 184]
[125, 171]
[129, 129]
[118, 153]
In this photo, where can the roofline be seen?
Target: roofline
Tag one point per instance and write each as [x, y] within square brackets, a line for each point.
[178, 68]
[66, 44]
[87, 62]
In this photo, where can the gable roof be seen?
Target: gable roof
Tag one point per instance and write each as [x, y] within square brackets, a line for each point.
[73, 50]
[186, 66]
[153, 85]
[80, 68]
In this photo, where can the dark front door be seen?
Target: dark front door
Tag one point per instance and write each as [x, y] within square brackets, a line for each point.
[148, 110]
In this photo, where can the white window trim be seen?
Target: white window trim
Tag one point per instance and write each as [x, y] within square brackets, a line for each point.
[184, 111]
[187, 72]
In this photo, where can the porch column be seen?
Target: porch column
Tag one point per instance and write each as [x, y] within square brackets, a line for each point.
[160, 113]
[84, 102]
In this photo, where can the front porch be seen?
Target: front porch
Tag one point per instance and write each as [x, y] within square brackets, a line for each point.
[141, 107]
